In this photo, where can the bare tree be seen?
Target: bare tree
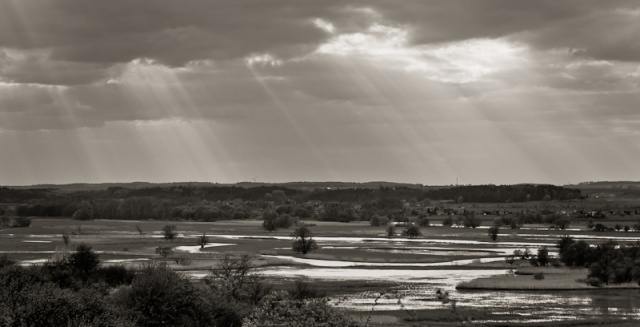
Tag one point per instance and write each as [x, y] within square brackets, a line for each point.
[231, 276]
[203, 240]
[303, 241]
[66, 239]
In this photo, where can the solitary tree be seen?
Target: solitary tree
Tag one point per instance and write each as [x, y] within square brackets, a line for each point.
[303, 241]
[169, 232]
[493, 232]
[269, 221]
[470, 220]
[543, 256]
[203, 240]
[391, 230]
[412, 231]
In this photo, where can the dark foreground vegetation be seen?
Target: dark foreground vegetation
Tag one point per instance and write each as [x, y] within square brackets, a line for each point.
[73, 289]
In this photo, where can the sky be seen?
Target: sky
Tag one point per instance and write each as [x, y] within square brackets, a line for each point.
[428, 91]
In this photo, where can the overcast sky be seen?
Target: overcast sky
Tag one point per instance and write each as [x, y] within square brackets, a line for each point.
[486, 91]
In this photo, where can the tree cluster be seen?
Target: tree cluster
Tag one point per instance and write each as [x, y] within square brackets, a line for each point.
[608, 262]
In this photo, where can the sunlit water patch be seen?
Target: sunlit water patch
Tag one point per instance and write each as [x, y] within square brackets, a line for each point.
[341, 263]
[197, 248]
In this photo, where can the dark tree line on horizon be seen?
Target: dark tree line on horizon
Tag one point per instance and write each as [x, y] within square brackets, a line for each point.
[218, 203]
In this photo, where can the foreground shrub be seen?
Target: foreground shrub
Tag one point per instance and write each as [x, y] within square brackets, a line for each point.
[279, 309]
[26, 299]
[84, 261]
[160, 297]
[303, 289]
[5, 261]
[115, 275]
[538, 276]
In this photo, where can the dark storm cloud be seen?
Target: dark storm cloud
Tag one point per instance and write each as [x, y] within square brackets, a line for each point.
[173, 32]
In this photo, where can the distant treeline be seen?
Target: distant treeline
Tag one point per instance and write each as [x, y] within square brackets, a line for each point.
[476, 193]
[223, 202]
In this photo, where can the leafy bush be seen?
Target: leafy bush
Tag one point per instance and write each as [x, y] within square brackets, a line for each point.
[84, 261]
[377, 221]
[82, 214]
[423, 222]
[593, 281]
[447, 222]
[273, 221]
[21, 222]
[27, 299]
[161, 297]
[538, 276]
[115, 275]
[412, 231]
[169, 232]
[470, 220]
[14, 222]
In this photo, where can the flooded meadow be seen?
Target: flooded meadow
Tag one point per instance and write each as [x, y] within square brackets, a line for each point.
[409, 271]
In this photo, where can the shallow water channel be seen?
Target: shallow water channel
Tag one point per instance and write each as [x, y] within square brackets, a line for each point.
[416, 283]
[416, 289]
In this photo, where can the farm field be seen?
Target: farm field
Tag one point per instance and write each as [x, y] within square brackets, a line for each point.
[393, 281]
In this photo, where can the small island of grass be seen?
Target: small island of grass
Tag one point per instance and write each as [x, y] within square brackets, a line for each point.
[540, 278]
